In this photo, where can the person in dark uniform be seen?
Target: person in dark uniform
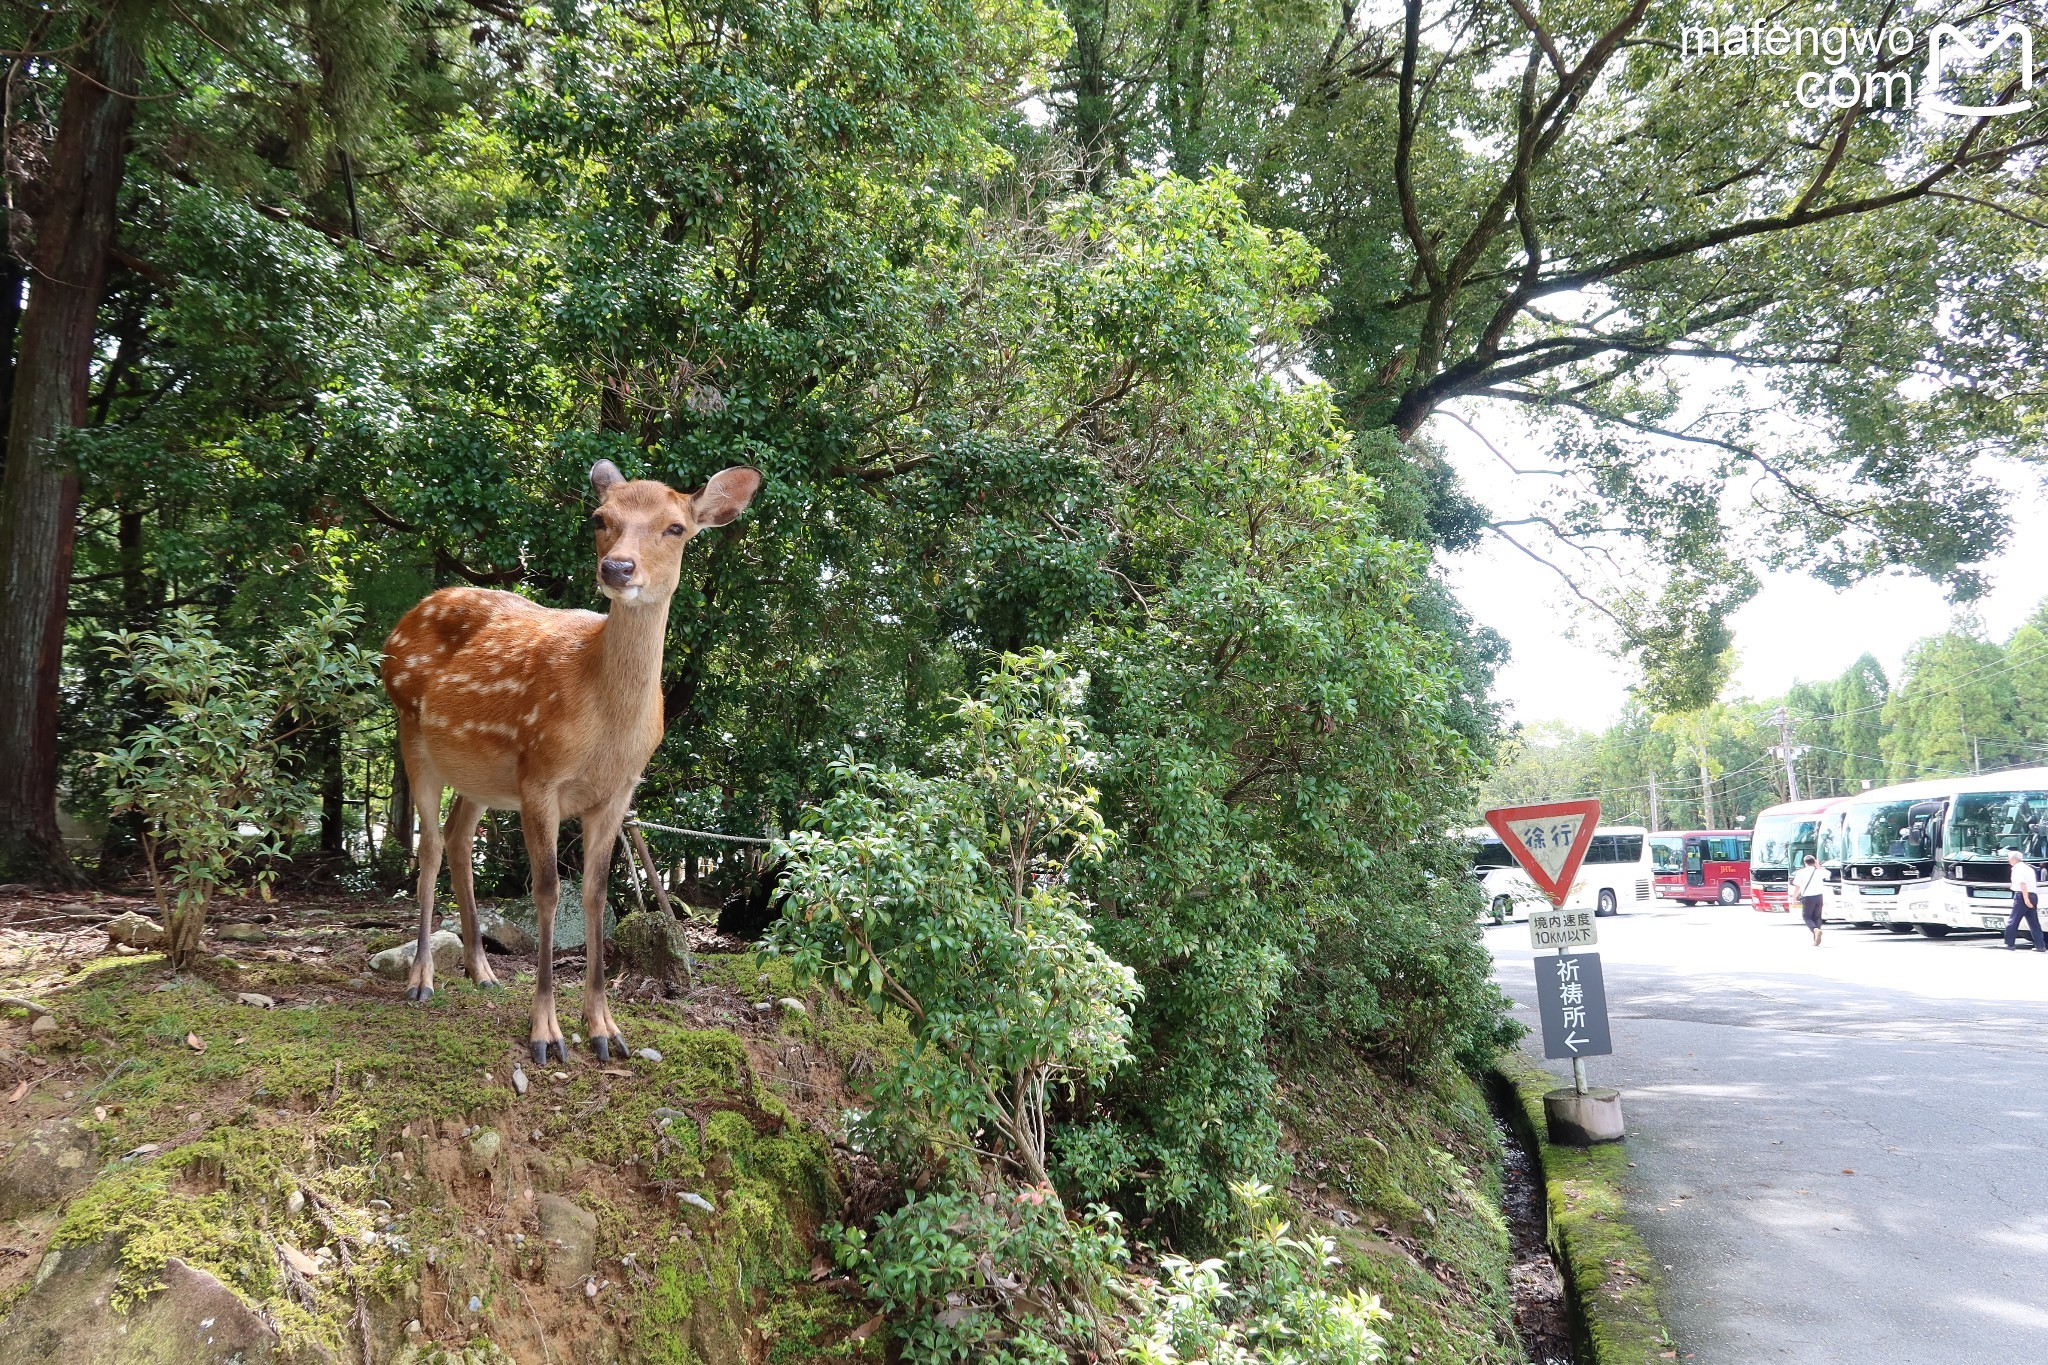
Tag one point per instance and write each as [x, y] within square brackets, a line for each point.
[1810, 884]
[2026, 902]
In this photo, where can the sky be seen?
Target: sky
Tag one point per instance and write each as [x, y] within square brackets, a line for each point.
[1563, 667]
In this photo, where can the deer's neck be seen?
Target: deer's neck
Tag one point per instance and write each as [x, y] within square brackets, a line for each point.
[629, 660]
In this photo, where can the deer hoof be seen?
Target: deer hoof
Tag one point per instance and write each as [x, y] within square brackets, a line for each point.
[419, 995]
[540, 1050]
[607, 1047]
[490, 983]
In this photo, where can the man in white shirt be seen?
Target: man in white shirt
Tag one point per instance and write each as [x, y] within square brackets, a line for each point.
[2026, 901]
[1810, 885]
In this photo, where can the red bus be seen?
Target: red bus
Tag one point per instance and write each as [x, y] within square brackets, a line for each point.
[1702, 865]
[1784, 836]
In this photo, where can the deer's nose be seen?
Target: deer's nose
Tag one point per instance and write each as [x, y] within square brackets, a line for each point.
[616, 572]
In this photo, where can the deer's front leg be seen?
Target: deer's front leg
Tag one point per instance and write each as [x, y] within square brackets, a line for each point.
[461, 840]
[600, 837]
[537, 820]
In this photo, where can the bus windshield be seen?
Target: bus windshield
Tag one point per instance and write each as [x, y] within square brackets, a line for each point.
[1490, 853]
[1783, 841]
[1880, 829]
[1984, 825]
[1667, 852]
[1831, 841]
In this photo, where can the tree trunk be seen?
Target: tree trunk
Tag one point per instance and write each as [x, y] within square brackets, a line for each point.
[39, 490]
[333, 794]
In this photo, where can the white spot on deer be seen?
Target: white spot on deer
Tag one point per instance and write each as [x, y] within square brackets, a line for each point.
[531, 717]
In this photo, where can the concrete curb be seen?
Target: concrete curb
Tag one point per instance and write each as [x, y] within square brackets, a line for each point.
[1610, 1279]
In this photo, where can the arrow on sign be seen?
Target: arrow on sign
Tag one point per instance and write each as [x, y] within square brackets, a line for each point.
[1549, 840]
[1573, 1041]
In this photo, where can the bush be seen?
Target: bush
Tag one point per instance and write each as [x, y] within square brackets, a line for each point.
[214, 779]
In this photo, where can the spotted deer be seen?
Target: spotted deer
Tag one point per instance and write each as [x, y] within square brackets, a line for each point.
[550, 713]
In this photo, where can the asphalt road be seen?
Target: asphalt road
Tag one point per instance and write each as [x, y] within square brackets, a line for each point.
[1838, 1154]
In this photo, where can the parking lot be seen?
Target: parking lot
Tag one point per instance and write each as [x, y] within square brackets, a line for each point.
[1838, 1152]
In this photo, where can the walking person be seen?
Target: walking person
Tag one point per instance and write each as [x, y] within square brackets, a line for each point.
[2026, 902]
[1810, 884]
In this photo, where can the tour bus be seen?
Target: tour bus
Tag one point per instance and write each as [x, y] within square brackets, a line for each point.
[1980, 820]
[1834, 839]
[1702, 865]
[1890, 840]
[1617, 871]
[1783, 837]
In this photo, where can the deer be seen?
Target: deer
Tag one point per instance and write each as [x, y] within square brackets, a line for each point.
[551, 713]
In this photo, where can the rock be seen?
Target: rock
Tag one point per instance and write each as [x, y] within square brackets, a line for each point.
[194, 1319]
[243, 933]
[483, 1147]
[55, 1159]
[501, 935]
[648, 1054]
[131, 930]
[295, 1203]
[261, 1002]
[228, 964]
[43, 1027]
[395, 964]
[569, 931]
[653, 943]
[789, 1004]
[571, 1237]
[519, 1081]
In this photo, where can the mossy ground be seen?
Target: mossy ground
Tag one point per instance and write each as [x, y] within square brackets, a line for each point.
[1612, 1278]
[1407, 1179]
[211, 1114]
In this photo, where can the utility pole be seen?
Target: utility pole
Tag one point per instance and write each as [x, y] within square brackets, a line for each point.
[1786, 751]
[1706, 796]
[1976, 754]
[1653, 801]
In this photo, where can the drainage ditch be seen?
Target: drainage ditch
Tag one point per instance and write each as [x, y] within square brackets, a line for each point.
[1543, 1317]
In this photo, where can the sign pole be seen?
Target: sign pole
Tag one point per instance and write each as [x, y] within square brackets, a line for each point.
[1578, 1063]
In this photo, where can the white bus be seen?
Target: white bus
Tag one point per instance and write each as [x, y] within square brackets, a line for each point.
[1889, 839]
[1980, 819]
[1617, 871]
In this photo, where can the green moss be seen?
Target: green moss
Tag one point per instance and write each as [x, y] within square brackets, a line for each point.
[811, 1323]
[1422, 1161]
[1608, 1269]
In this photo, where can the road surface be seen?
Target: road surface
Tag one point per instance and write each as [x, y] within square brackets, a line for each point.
[1838, 1154]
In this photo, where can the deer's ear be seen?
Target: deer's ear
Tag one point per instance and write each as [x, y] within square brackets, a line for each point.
[603, 475]
[725, 495]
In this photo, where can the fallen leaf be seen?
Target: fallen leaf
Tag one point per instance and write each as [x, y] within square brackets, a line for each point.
[20, 1089]
[866, 1329]
[147, 1149]
[300, 1261]
[195, 1042]
[610, 1071]
[99, 1111]
[820, 1267]
[1847, 1171]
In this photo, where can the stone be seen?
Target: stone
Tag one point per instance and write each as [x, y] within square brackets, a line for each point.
[395, 964]
[261, 1002]
[55, 1159]
[1576, 1120]
[131, 930]
[242, 933]
[43, 1027]
[653, 943]
[194, 1319]
[519, 1081]
[571, 1237]
[648, 1054]
[569, 931]
[484, 1145]
[295, 1203]
[789, 1004]
[501, 935]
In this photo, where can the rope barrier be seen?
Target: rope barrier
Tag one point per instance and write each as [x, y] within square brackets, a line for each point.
[638, 823]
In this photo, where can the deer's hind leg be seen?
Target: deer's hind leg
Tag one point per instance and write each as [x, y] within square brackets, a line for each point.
[460, 836]
[426, 799]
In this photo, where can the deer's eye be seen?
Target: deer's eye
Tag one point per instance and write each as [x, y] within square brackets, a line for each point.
[674, 530]
[597, 521]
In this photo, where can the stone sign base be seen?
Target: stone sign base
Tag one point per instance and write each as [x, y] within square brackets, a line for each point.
[1577, 1120]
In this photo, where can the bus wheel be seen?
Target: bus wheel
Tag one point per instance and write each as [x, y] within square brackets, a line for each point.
[1900, 928]
[1934, 931]
[1608, 904]
[1687, 902]
[1503, 907]
[1730, 893]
